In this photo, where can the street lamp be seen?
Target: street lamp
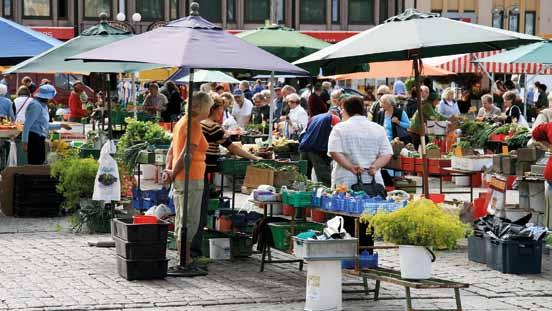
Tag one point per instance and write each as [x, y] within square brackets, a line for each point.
[136, 17]
[121, 17]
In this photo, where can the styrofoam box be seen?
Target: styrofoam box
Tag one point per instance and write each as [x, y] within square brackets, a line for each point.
[324, 249]
[471, 163]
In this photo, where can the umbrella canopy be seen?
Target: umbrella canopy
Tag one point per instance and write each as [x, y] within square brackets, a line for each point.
[412, 35]
[283, 42]
[20, 42]
[53, 60]
[539, 53]
[468, 63]
[396, 69]
[191, 42]
[209, 76]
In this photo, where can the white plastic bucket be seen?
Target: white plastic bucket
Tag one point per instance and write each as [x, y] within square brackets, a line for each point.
[415, 262]
[219, 249]
[323, 286]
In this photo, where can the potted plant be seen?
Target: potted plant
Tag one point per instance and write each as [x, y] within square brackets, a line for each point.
[417, 228]
[76, 185]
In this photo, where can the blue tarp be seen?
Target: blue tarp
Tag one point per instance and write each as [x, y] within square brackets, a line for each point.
[20, 42]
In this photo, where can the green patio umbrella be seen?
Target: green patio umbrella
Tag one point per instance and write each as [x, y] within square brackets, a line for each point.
[413, 35]
[283, 42]
[539, 53]
[209, 76]
[53, 60]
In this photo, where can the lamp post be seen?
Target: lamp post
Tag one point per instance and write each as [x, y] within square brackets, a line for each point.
[136, 18]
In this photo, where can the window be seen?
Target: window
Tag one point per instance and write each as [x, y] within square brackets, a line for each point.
[62, 9]
[257, 11]
[281, 13]
[93, 8]
[383, 10]
[335, 12]
[211, 10]
[498, 19]
[37, 8]
[513, 22]
[313, 11]
[530, 23]
[7, 7]
[151, 10]
[361, 12]
[231, 11]
[174, 9]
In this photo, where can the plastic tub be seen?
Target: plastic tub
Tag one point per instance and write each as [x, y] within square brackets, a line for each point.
[219, 249]
[126, 230]
[324, 249]
[144, 219]
[436, 198]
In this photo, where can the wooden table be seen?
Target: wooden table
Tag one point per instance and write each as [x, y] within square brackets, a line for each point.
[449, 171]
[394, 277]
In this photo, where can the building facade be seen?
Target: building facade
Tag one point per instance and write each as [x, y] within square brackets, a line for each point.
[315, 15]
[526, 16]
[326, 19]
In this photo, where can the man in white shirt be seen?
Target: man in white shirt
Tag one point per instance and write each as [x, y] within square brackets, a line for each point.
[297, 118]
[358, 146]
[242, 108]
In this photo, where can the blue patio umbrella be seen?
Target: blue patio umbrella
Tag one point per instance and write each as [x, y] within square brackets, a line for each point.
[20, 42]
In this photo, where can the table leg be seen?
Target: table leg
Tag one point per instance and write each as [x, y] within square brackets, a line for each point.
[301, 265]
[221, 186]
[471, 188]
[365, 285]
[408, 299]
[457, 297]
[233, 192]
[263, 256]
[271, 206]
[376, 291]
[357, 235]
[440, 183]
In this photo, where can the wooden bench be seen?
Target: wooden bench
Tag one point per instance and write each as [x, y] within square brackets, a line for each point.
[394, 277]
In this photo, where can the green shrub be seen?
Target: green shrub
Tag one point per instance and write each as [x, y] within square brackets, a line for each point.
[76, 179]
[420, 223]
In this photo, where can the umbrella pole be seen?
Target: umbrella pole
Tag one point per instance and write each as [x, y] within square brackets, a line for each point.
[182, 270]
[133, 95]
[421, 130]
[107, 92]
[271, 113]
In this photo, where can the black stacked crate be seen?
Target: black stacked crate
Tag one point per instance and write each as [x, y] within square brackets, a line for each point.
[36, 196]
[141, 249]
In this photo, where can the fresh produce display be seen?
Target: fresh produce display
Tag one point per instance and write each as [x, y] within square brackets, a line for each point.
[139, 136]
[6, 124]
[432, 146]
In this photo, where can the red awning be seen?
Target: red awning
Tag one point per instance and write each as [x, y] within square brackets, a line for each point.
[463, 63]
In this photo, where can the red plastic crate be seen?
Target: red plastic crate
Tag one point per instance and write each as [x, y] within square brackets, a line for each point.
[287, 210]
[407, 164]
[318, 216]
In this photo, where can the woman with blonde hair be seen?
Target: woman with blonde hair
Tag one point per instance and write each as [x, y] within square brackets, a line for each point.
[228, 121]
[448, 107]
[175, 172]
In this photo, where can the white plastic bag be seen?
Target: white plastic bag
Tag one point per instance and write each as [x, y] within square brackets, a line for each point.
[161, 211]
[12, 155]
[107, 186]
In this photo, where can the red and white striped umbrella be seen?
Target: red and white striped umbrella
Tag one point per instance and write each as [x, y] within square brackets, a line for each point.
[463, 63]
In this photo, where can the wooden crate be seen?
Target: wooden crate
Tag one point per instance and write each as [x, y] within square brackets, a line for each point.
[255, 176]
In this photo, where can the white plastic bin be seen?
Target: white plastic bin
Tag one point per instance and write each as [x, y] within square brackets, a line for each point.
[219, 249]
[324, 249]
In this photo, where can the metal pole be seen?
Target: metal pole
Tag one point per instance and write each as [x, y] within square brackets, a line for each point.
[421, 129]
[271, 113]
[133, 94]
[187, 164]
[108, 96]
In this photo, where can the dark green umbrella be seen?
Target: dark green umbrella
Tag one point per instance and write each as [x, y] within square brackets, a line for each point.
[283, 42]
[53, 60]
[413, 35]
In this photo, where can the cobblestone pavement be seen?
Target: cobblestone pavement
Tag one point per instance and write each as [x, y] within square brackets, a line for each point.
[58, 271]
[45, 268]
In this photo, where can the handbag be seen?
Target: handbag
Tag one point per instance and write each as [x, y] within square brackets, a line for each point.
[402, 134]
[372, 189]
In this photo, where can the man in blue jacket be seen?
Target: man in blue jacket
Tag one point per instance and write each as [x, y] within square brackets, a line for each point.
[313, 146]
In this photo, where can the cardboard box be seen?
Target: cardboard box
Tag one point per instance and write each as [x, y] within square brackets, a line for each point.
[523, 167]
[472, 163]
[529, 154]
[508, 165]
[497, 163]
[436, 127]
[6, 192]
[255, 176]
[433, 154]
[284, 178]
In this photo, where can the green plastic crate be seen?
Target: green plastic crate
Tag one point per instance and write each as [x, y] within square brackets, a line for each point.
[281, 232]
[213, 205]
[89, 152]
[235, 167]
[241, 246]
[297, 198]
